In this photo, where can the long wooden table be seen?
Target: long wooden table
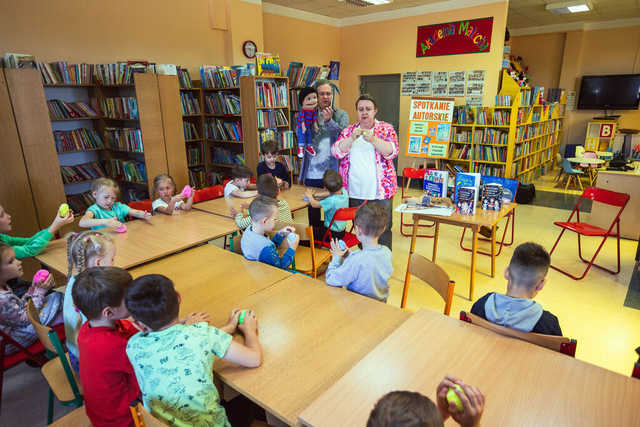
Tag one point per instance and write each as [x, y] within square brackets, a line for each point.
[146, 241]
[311, 335]
[221, 206]
[482, 217]
[524, 385]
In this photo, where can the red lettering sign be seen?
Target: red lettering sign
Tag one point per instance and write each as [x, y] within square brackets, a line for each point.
[451, 38]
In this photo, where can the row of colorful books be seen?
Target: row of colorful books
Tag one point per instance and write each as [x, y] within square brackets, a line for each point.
[184, 78]
[463, 115]
[77, 140]
[195, 154]
[501, 117]
[503, 101]
[198, 177]
[225, 156]
[62, 110]
[461, 135]
[189, 103]
[491, 136]
[461, 152]
[222, 103]
[114, 74]
[271, 118]
[190, 131]
[120, 107]
[302, 76]
[489, 153]
[485, 169]
[271, 94]
[227, 130]
[82, 172]
[214, 76]
[80, 202]
[554, 94]
[533, 96]
[284, 138]
[124, 139]
[61, 73]
[126, 170]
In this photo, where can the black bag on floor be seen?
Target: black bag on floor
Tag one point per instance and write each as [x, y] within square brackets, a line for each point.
[525, 194]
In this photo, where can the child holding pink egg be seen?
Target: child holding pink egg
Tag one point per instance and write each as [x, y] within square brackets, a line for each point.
[107, 211]
[164, 187]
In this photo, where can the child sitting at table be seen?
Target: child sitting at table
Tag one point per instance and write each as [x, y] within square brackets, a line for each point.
[267, 187]
[271, 166]
[108, 381]
[107, 211]
[13, 310]
[173, 359]
[337, 198]
[256, 246]
[239, 185]
[366, 271]
[85, 250]
[525, 276]
[167, 202]
[408, 409]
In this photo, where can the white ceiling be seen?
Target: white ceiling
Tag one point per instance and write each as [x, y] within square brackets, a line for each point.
[522, 13]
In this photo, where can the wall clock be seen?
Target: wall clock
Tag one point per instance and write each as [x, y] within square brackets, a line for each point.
[249, 49]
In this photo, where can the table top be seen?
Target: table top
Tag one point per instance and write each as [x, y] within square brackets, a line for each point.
[524, 385]
[311, 335]
[605, 154]
[222, 205]
[484, 217]
[586, 161]
[209, 278]
[146, 241]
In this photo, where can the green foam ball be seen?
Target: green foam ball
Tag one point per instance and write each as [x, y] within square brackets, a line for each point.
[452, 396]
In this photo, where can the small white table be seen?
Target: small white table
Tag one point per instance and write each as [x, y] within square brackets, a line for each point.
[591, 172]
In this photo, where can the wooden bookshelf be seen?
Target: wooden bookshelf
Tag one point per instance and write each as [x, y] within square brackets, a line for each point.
[533, 136]
[173, 132]
[197, 120]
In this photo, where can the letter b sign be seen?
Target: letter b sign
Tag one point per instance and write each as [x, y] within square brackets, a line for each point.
[606, 130]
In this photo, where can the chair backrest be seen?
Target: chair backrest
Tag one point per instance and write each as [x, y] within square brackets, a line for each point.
[560, 344]
[413, 173]
[342, 214]
[142, 417]
[208, 193]
[566, 165]
[142, 205]
[607, 197]
[434, 276]
[558, 158]
[41, 330]
[306, 233]
[579, 151]
[590, 155]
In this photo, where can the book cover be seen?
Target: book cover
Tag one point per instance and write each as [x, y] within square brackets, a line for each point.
[466, 179]
[334, 70]
[267, 64]
[492, 196]
[509, 187]
[436, 183]
[467, 198]
[167, 69]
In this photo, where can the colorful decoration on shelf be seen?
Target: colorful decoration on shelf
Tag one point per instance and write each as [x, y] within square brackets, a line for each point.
[518, 71]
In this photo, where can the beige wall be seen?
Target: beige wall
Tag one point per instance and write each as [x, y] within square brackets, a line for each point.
[390, 47]
[606, 51]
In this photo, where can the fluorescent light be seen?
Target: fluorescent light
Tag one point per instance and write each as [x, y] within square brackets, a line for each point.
[578, 8]
[378, 1]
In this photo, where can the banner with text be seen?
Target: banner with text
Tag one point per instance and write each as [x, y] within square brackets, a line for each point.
[451, 38]
[429, 127]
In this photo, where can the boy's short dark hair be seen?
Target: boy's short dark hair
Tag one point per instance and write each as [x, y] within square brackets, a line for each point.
[100, 287]
[372, 219]
[405, 409]
[529, 265]
[241, 171]
[269, 147]
[152, 300]
[332, 180]
[261, 207]
[267, 186]
[366, 97]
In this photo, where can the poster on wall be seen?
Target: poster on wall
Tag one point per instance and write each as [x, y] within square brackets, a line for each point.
[452, 38]
[439, 83]
[429, 126]
[475, 82]
[456, 83]
[423, 83]
[473, 101]
[408, 83]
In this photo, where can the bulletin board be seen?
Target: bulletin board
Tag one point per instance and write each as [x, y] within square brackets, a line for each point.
[429, 127]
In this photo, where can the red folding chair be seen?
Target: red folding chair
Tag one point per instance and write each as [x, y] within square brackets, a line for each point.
[606, 197]
[142, 205]
[343, 214]
[208, 193]
[412, 173]
[34, 352]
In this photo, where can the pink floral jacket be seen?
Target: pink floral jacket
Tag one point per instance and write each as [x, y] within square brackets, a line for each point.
[386, 171]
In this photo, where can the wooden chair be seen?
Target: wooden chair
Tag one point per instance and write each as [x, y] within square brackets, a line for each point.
[560, 344]
[208, 193]
[308, 259]
[142, 205]
[343, 214]
[411, 173]
[560, 168]
[603, 196]
[572, 174]
[431, 274]
[62, 380]
[76, 418]
[142, 417]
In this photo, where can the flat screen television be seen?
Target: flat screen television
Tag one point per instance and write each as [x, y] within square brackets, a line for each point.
[614, 92]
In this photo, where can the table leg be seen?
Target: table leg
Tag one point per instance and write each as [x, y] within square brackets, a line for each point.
[474, 251]
[494, 230]
[435, 242]
[412, 248]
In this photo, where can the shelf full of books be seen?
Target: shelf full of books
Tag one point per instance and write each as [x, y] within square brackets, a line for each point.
[510, 139]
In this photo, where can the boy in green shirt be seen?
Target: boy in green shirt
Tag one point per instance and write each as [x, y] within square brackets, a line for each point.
[174, 361]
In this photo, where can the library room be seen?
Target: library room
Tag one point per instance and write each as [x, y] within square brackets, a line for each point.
[321, 213]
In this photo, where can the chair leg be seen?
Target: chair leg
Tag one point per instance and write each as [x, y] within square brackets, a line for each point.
[566, 187]
[50, 409]
[580, 183]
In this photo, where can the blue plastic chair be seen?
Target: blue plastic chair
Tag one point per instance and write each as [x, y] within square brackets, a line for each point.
[572, 174]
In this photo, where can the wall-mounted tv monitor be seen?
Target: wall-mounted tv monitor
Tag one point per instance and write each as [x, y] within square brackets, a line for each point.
[615, 92]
